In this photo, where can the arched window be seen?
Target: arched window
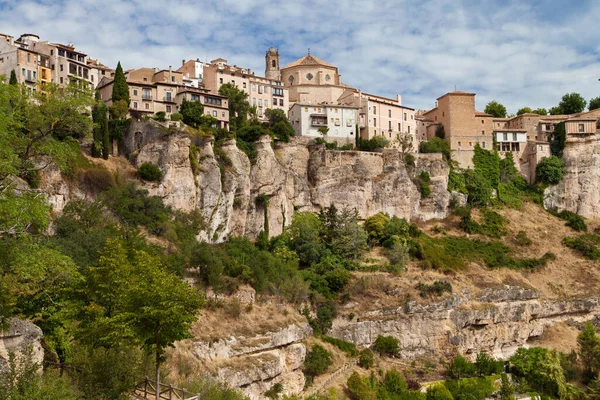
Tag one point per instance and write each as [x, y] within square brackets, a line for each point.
[274, 63]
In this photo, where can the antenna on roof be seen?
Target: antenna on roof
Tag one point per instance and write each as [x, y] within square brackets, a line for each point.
[309, 51]
[455, 88]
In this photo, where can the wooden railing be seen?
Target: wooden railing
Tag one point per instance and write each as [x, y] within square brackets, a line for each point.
[146, 389]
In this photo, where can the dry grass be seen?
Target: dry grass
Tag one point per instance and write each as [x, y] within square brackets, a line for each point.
[560, 337]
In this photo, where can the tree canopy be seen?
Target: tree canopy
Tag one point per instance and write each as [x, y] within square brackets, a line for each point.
[594, 103]
[238, 105]
[572, 103]
[496, 109]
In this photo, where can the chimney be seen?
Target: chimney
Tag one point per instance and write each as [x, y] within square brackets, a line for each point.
[399, 99]
[182, 63]
[170, 73]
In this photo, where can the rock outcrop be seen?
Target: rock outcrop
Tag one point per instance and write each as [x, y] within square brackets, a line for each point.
[22, 339]
[237, 197]
[498, 322]
[579, 190]
[255, 364]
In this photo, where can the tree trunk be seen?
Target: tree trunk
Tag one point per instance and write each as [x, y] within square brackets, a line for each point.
[157, 375]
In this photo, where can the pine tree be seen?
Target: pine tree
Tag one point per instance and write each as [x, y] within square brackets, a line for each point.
[13, 78]
[589, 351]
[120, 89]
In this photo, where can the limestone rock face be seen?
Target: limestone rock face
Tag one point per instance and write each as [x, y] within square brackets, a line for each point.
[22, 339]
[579, 190]
[255, 364]
[237, 197]
[498, 322]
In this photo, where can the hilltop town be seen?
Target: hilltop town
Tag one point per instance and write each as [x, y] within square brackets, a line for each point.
[311, 93]
[203, 232]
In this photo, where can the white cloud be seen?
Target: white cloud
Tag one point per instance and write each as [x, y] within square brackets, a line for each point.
[518, 54]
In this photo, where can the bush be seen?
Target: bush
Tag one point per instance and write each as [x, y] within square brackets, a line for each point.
[586, 245]
[317, 361]
[460, 367]
[438, 392]
[160, 116]
[149, 172]
[346, 347]
[550, 170]
[456, 182]
[522, 240]
[574, 220]
[436, 289]
[366, 359]
[373, 144]
[97, 179]
[375, 226]
[176, 117]
[436, 145]
[387, 345]
[485, 365]
[471, 388]
[478, 189]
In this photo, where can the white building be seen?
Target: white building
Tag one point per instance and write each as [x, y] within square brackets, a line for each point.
[340, 120]
[193, 72]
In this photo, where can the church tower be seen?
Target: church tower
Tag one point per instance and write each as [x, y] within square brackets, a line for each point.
[272, 65]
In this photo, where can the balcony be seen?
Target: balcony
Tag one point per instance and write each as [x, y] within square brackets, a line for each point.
[147, 97]
[168, 99]
[316, 121]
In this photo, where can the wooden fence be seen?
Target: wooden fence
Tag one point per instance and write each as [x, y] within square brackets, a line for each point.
[146, 389]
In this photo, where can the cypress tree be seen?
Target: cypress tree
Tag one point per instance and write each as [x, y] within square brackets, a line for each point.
[101, 146]
[13, 78]
[104, 131]
[120, 89]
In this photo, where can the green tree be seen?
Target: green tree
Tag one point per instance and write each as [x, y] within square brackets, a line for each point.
[436, 145]
[460, 367]
[358, 388]
[440, 132]
[594, 103]
[120, 90]
[438, 392]
[589, 351]
[366, 359]
[386, 345]
[192, 113]
[572, 103]
[101, 144]
[375, 227]
[394, 382]
[524, 110]
[496, 109]
[550, 170]
[317, 360]
[557, 110]
[541, 369]
[507, 389]
[478, 189]
[159, 308]
[540, 111]
[13, 78]
[238, 105]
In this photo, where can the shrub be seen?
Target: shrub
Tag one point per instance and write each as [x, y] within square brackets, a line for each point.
[358, 388]
[317, 361]
[425, 189]
[176, 117]
[438, 392]
[160, 116]
[436, 289]
[149, 172]
[456, 182]
[375, 226]
[274, 392]
[478, 189]
[471, 388]
[485, 365]
[346, 347]
[586, 245]
[460, 367]
[574, 220]
[522, 240]
[97, 179]
[436, 145]
[387, 345]
[366, 359]
[377, 142]
[550, 170]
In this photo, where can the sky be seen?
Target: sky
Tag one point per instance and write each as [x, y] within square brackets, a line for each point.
[518, 52]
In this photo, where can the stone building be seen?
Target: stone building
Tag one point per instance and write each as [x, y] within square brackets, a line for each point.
[31, 68]
[193, 72]
[263, 92]
[339, 122]
[152, 90]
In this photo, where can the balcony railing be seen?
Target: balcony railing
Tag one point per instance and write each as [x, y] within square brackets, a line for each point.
[169, 99]
[317, 122]
[147, 97]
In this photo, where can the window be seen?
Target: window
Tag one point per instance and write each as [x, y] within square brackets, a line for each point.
[399, 127]
[274, 102]
[23, 71]
[405, 116]
[309, 76]
[168, 98]
[195, 97]
[223, 114]
[254, 101]
[375, 122]
[483, 145]
[61, 52]
[135, 104]
[483, 132]
[135, 92]
[481, 122]
[214, 113]
[172, 78]
[61, 67]
[374, 110]
[389, 113]
[61, 79]
[147, 106]
[146, 95]
[470, 144]
[260, 102]
[305, 109]
[28, 57]
[514, 137]
[260, 89]
[390, 125]
[244, 85]
[273, 63]
[233, 82]
[51, 52]
[337, 122]
[409, 129]
[581, 128]
[281, 102]
[221, 80]
[168, 109]
[28, 75]
[458, 144]
[505, 136]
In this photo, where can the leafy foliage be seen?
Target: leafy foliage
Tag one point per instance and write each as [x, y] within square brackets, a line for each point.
[366, 359]
[587, 245]
[437, 288]
[540, 369]
[594, 103]
[550, 170]
[149, 172]
[572, 103]
[436, 145]
[317, 361]
[373, 144]
[496, 109]
[347, 347]
[387, 345]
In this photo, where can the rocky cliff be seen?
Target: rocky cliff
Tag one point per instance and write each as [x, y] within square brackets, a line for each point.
[579, 190]
[22, 339]
[230, 191]
[498, 322]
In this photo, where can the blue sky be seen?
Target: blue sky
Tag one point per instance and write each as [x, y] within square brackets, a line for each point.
[517, 52]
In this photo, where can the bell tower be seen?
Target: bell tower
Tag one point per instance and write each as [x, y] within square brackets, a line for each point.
[272, 64]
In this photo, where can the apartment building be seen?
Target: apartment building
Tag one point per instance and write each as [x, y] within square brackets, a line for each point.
[193, 72]
[262, 92]
[152, 90]
[99, 71]
[339, 121]
[30, 67]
